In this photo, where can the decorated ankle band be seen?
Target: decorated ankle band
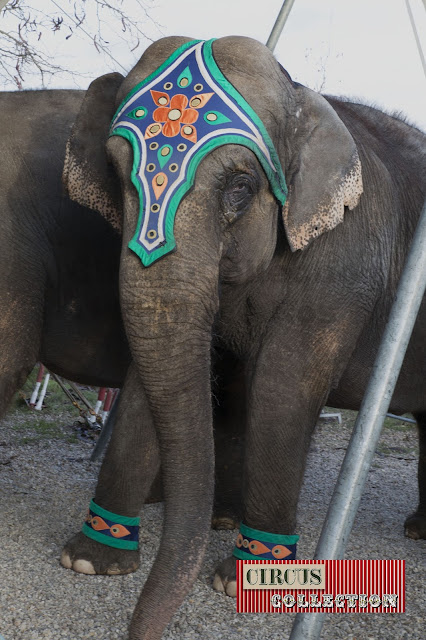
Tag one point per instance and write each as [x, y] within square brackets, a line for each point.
[111, 529]
[253, 544]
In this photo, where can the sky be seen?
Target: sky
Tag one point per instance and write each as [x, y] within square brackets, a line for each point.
[362, 49]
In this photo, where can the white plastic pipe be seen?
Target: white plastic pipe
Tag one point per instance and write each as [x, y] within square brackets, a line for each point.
[37, 386]
[39, 404]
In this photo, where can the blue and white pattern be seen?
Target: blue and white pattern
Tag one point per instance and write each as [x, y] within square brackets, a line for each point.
[184, 110]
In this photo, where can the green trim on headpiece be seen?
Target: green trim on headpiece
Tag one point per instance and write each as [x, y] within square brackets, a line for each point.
[235, 123]
[154, 74]
[170, 245]
[278, 183]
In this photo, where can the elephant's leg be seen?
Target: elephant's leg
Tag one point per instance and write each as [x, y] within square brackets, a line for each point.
[285, 394]
[415, 524]
[229, 426]
[229, 444]
[20, 335]
[128, 471]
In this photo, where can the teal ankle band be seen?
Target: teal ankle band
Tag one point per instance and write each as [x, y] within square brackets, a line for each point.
[100, 511]
[253, 544]
[265, 536]
[111, 529]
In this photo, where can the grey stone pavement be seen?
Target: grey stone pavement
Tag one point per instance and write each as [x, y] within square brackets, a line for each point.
[46, 485]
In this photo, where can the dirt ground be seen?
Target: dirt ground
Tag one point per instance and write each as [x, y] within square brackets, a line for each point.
[47, 481]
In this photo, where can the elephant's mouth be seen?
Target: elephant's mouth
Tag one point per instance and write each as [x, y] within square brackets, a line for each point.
[173, 119]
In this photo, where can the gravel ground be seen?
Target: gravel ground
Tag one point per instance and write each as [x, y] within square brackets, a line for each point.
[47, 481]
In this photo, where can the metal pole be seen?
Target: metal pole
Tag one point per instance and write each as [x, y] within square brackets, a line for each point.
[279, 24]
[416, 35]
[401, 418]
[353, 474]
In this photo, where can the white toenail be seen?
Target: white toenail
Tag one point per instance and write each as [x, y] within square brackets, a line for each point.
[84, 566]
[218, 584]
[66, 560]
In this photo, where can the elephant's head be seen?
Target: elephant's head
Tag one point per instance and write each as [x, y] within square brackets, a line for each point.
[201, 140]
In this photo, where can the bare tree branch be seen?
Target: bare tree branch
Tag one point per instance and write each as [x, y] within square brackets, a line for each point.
[21, 43]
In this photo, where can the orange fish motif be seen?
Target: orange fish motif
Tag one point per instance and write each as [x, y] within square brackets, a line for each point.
[280, 552]
[119, 531]
[258, 548]
[98, 524]
[116, 530]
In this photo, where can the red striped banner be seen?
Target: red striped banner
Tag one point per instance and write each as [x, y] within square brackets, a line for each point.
[342, 586]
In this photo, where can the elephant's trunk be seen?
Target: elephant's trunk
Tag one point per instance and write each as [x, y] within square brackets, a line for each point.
[169, 326]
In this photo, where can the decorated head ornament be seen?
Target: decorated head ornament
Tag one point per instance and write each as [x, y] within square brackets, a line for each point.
[173, 119]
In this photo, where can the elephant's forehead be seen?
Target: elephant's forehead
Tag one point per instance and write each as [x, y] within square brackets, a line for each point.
[183, 111]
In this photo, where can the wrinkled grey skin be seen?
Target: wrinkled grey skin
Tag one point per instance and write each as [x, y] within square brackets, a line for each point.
[59, 303]
[300, 297]
[59, 300]
[58, 262]
[130, 473]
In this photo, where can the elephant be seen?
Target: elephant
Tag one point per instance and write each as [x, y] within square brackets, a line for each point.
[59, 295]
[279, 237]
[59, 298]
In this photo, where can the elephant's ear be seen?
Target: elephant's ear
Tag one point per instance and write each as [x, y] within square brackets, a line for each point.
[87, 176]
[325, 172]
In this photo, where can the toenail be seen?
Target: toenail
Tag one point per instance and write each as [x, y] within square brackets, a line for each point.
[218, 584]
[84, 566]
[66, 560]
[231, 589]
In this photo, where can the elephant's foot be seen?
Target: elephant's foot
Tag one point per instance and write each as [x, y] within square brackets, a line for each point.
[226, 514]
[225, 522]
[88, 556]
[415, 526]
[225, 579]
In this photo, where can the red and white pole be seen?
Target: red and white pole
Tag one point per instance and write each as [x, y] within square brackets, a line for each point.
[107, 405]
[37, 385]
[99, 403]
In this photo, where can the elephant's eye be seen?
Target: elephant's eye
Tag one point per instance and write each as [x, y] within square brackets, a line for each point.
[238, 193]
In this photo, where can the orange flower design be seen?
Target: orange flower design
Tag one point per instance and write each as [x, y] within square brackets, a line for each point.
[172, 113]
[175, 115]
